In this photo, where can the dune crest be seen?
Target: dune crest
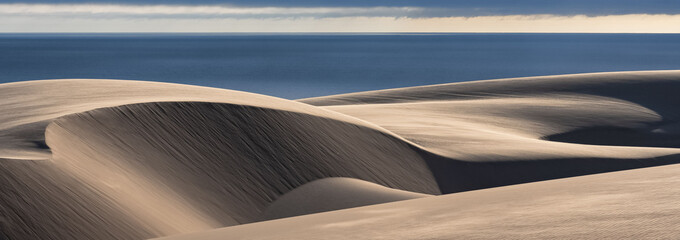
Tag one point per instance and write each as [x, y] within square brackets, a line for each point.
[131, 159]
[634, 204]
[162, 168]
[330, 194]
[507, 131]
[28, 107]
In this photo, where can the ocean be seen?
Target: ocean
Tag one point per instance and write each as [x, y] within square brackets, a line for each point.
[305, 65]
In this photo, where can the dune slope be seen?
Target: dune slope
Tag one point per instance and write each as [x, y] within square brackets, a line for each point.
[330, 194]
[633, 204]
[28, 107]
[140, 170]
[505, 131]
[108, 159]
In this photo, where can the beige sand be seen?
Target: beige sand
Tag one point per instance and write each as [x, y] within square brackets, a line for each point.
[495, 131]
[163, 167]
[330, 194]
[633, 204]
[107, 159]
[27, 107]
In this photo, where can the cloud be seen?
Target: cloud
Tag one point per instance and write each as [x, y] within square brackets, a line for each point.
[89, 17]
[202, 11]
[634, 23]
[461, 7]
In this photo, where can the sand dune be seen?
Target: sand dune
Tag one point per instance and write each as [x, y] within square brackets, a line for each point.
[110, 159]
[499, 132]
[159, 168]
[633, 204]
[28, 107]
[330, 194]
[241, 157]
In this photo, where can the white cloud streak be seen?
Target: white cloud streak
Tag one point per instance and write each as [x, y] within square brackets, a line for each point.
[80, 10]
[220, 18]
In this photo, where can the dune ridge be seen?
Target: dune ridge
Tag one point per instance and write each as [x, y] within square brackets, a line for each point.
[160, 168]
[330, 194]
[242, 157]
[496, 132]
[28, 107]
[633, 204]
[131, 159]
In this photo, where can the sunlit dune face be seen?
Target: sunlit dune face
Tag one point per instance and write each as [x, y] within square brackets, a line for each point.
[225, 18]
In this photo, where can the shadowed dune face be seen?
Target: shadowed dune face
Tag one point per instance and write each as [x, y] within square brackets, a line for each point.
[653, 136]
[28, 107]
[161, 167]
[40, 201]
[635, 204]
[464, 129]
[182, 167]
[127, 159]
[498, 132]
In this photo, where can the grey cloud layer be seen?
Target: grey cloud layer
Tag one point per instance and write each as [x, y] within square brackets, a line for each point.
[209, 11]
[432, 8]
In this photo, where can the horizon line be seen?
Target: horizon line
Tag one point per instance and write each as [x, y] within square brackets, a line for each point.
[342, 33]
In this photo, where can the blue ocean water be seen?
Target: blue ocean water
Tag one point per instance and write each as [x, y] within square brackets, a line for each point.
[305, 65]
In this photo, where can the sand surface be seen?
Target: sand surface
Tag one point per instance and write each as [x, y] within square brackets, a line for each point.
[497, 132]
[112, 159]
[633, 204]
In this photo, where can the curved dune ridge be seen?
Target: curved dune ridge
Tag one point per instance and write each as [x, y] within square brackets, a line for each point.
[113, 159]
[28, 107]
[192, 163]
[519, 130]
[330, 194]
[158, 168]
[634, 204]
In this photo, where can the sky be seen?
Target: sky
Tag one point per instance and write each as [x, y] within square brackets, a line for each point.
[598, 16]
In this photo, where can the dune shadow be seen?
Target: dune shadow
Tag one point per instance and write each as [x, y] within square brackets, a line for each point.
[459, 176]
[618, 136]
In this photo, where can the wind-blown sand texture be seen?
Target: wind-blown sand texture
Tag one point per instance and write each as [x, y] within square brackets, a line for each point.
[113, 159]
[633, 204]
